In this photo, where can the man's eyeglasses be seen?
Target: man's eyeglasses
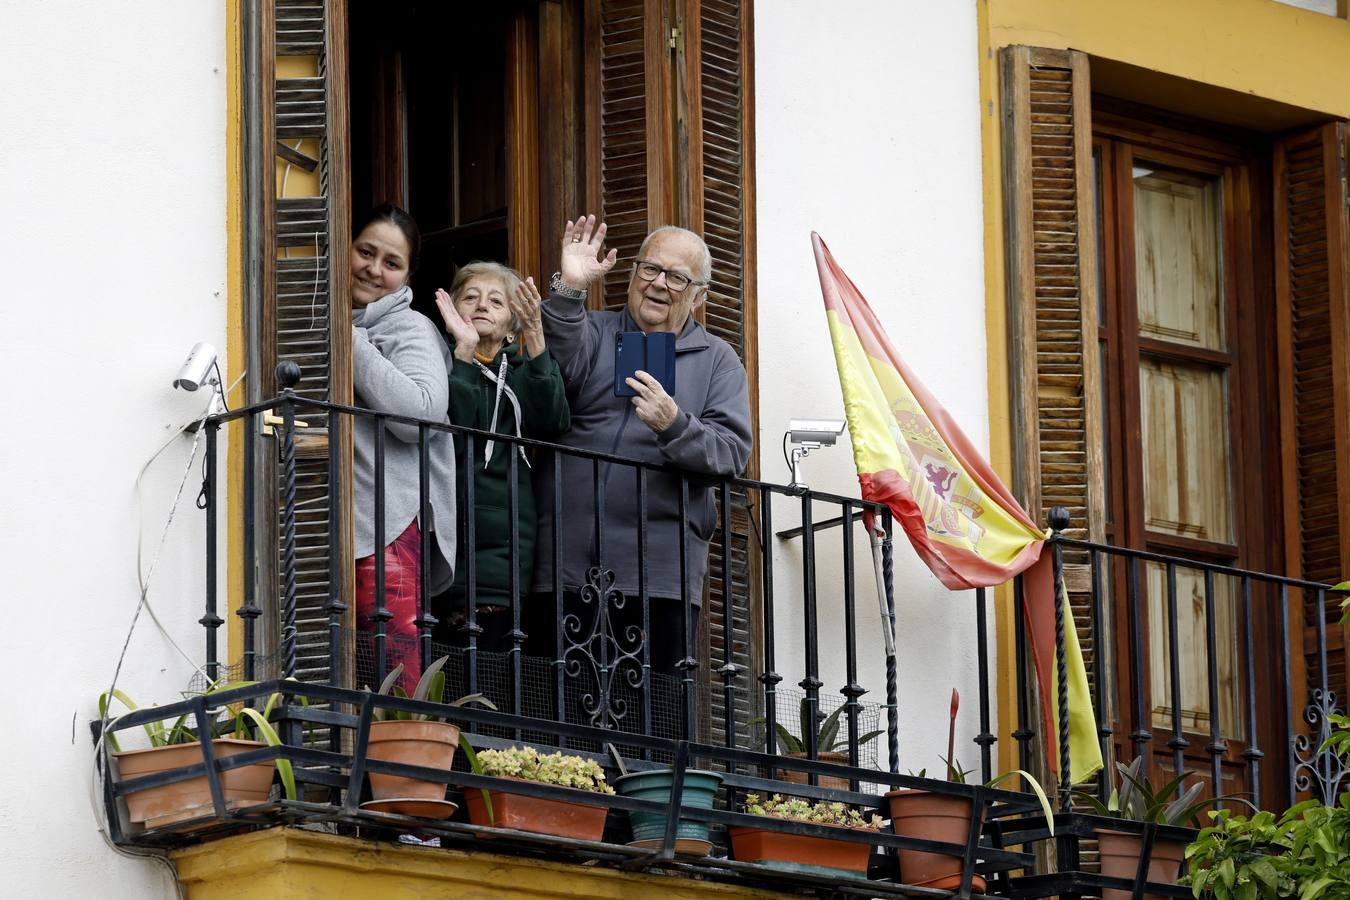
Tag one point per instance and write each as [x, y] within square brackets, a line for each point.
[676, 281]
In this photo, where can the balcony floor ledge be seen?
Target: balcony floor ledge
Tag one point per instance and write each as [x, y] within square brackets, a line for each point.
[296, 864]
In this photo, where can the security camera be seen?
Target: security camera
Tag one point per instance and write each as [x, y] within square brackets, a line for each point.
[195, 369]
[818, 432]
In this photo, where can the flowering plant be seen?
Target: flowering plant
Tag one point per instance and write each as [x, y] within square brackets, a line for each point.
[529, 764]
[820, 813]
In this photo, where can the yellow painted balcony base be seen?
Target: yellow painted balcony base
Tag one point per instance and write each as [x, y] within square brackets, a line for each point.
[291, 864]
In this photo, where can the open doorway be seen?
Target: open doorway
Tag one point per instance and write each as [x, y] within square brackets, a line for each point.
[429, 118]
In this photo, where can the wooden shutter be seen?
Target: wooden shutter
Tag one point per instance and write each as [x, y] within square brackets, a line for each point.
[1051, 229]
[298, 277]
[1313, 296]
[669, 141]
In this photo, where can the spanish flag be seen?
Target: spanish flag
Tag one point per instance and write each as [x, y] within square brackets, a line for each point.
[965, 525]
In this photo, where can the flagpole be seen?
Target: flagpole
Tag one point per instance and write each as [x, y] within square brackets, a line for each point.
[881, 572]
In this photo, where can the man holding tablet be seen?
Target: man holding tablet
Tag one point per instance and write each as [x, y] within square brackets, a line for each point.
[687, 407]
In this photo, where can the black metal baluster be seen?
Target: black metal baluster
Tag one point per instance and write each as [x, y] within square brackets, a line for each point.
[470, 532]
[380, 618]
[513, 576]
[248, 610]
[728, 669]
[1252, 754]
[337, 561]
[1024, 732]
[851, 690]
[1100, 667]
[555, 566]
[644, 602]
[425, 620]
[1141, 736]
[1215, 747]
[687, 663]
[770, 678]
[1178, 743]
[892, 676]
[985, 739]
[211, 620]
[1286, 666]
[811, 683]
[1059, 520]
[288, 375]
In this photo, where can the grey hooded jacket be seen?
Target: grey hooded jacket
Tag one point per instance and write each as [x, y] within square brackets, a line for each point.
[398, 367]
[710, 436]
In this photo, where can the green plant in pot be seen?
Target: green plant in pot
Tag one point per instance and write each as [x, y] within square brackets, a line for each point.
[415, 739]
[831, 745]
[1136, 800]
[935, 816]
[504, 809]
[233, 729]
[802, 852]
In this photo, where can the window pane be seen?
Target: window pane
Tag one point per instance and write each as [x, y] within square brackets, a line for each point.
[1184, 421]
[1176, 252]
[1193, 652]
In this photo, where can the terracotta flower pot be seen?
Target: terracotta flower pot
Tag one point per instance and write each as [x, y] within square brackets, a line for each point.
[799, 852]
[649, 828]
[1120, 853]
[190, 799]
[541, 815]
[933, 817]
[414, 743]
[833, 782]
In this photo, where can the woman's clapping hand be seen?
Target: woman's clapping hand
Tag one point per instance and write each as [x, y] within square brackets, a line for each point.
[464, 333]
[526, 305]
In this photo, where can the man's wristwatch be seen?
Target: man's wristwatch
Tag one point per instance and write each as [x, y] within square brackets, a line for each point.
[555, 284]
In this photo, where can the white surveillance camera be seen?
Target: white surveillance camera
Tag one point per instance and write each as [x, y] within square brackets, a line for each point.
[820, 432]
[196, 368]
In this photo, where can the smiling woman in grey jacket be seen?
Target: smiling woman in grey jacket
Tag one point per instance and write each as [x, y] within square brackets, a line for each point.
[398, 368]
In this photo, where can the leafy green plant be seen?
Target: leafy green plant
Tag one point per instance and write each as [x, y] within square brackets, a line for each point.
[430, 687]
[235, 720]
[819, 813]
[1135, 799]
[562, 769]
[828, 738]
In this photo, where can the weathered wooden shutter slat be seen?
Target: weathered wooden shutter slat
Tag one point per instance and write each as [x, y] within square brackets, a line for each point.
[1312, 290]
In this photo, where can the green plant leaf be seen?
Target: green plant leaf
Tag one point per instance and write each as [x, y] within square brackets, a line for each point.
[1036, 789]
[270, 736]
[829, 731]
[428, 688]
[391, 679]
[477, 768]
[1097, 806]
[787, 740]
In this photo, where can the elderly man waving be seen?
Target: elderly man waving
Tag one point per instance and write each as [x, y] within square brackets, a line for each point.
[704, 428]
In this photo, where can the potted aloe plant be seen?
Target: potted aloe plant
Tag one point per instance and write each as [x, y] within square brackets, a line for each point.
[934, 816]
[804, 852]
[563, 818]
[177, 745]
[415, 739]
[1135, 799]
[830, 745]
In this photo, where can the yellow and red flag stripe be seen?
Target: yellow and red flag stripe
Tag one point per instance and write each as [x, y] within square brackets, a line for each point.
[962, 521]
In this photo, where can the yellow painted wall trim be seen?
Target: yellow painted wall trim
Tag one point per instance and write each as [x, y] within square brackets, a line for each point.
[293, 864]
[235, 347]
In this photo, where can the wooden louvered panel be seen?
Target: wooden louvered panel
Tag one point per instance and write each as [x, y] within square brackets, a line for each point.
[1311, 288]
[624, 139]
[720, 216]
[1052, 302]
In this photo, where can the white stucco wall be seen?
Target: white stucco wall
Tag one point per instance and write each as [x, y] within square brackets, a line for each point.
[868, 131]
[112, 186]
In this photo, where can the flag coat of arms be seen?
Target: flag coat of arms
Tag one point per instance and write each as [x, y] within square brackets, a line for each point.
[960, 518]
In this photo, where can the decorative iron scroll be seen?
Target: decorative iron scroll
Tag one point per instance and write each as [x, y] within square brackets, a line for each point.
[604, 651]
[1312, 764]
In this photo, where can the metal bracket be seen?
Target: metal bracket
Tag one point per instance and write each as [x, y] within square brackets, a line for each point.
[270, 419]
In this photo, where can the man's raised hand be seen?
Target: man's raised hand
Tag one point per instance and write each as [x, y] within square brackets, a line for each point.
[581, 260]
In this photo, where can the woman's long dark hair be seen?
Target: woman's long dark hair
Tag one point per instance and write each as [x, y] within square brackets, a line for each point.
[399, 218]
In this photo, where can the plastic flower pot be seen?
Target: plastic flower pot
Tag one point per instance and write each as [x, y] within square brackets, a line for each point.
[799, 852]
[934, 817]
[416, 743]
[649, 828]
[191, 799]
[541, 815]
[1120, 852]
